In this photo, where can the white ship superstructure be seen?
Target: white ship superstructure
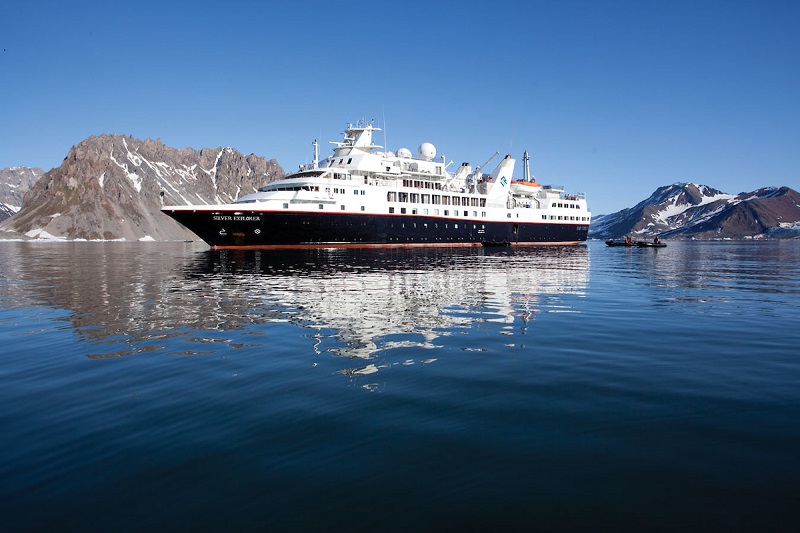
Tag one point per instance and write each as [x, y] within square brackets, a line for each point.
[362, 196]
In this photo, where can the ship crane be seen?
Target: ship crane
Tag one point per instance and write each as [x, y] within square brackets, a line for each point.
[477, 170]
[473, 177]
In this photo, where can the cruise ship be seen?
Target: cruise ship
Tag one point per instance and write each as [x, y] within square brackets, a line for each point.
[362, 196]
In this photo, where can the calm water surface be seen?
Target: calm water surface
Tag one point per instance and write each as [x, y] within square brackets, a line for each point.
[164, 387]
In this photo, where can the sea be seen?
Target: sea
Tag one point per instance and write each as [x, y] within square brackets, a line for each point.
[167, 387]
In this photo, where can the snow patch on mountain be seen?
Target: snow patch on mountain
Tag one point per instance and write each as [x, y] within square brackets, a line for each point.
[42, 234]
[135, 180]
[674, 206]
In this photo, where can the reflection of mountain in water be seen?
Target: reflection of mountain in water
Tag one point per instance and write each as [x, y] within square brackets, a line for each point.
[122, 295]
[147, 296]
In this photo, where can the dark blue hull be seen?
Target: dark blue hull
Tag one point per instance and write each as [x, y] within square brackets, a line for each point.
[292, 229]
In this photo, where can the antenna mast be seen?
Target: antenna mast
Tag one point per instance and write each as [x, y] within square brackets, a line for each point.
[526, 169]
[315, 144]
[385, 141]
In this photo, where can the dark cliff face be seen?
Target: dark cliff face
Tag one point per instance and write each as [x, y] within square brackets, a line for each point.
[6, 211]
[112, 187]
[697, 211]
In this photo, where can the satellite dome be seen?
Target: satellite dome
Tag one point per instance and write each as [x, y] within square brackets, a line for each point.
[404, 153]
[426, 151]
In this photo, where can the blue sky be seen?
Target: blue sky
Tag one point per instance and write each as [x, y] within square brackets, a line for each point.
[611, 98]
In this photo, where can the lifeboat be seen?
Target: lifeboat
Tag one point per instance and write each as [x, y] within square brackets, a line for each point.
[525, 187]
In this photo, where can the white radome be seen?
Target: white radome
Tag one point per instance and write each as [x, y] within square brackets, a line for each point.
[426, 151]
[404, 153]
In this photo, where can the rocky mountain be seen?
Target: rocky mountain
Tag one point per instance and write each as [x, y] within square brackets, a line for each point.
[112, 187]
[686, 210]
[14, 183]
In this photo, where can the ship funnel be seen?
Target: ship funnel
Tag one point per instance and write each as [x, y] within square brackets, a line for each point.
[462, 171]
[503, 170]
[500, 181]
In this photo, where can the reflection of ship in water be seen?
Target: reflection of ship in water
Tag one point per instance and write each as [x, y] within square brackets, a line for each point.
[366, 302]
[129, 298]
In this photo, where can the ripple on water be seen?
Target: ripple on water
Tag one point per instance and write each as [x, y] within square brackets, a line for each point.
[548, 386]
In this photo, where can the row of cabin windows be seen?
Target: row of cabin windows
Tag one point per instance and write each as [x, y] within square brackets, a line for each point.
[422, 184]
[425, 198]
[310, 188]
[445, 225]
[322, 206]
[573, 206]
[413, 166]
[444, 212]
[337, 190]
[456, 212]
[577, 219]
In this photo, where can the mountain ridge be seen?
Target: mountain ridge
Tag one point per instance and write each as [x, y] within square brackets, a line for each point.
[688, 210]
[111, 187]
